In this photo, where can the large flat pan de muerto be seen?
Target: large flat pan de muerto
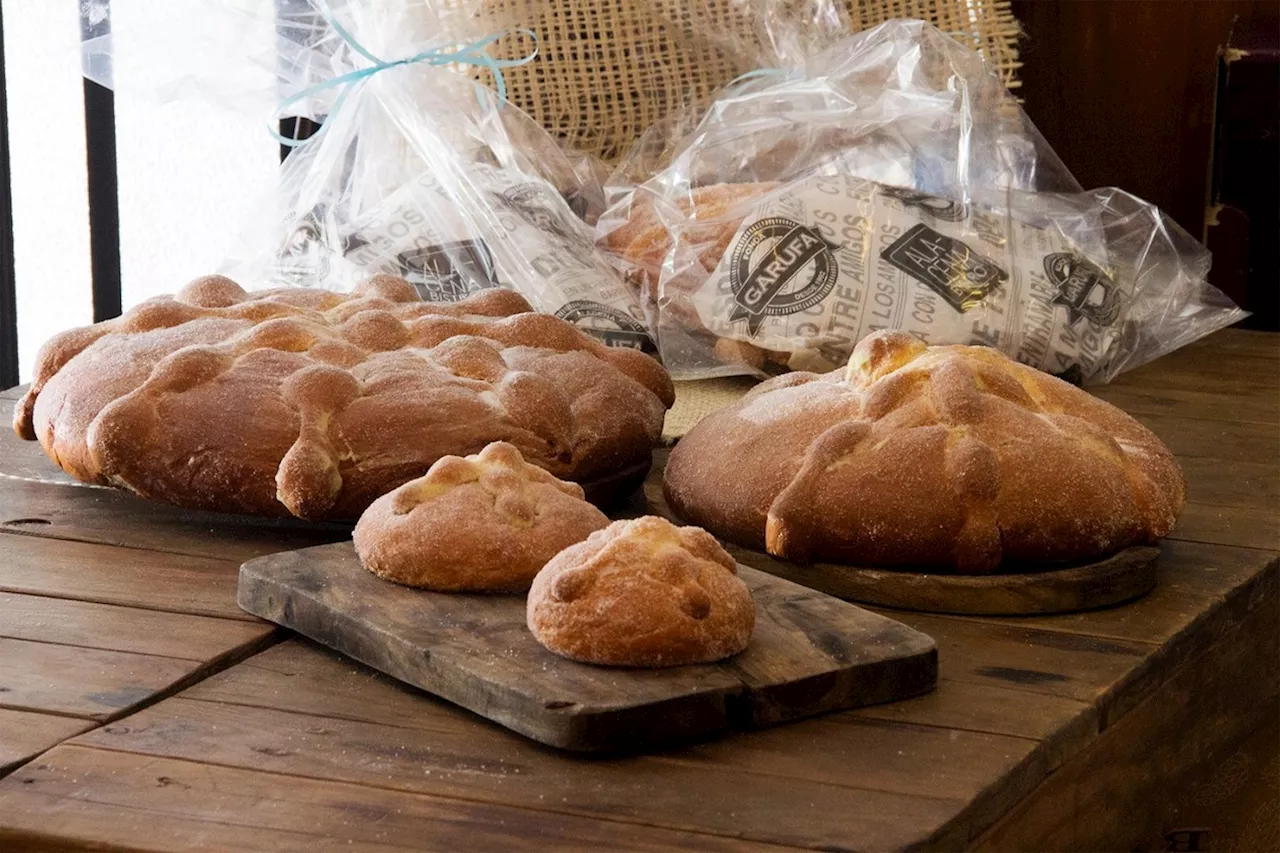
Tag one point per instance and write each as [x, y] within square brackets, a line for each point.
[313, 403]
[954, 458]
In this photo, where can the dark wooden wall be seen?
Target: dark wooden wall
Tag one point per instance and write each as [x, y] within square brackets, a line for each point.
[1124, 89]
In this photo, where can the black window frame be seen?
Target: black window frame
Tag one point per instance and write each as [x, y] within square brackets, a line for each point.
[103, 197]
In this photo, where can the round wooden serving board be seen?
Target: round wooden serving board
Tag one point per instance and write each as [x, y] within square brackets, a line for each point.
[1121, 577]
[1124, 576]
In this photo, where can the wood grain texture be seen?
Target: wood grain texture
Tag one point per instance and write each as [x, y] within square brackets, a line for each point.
[1204, 401]
[130, 802]
[123, 629]
[24, 734]
[1114, 795]
[809, 654]
[1113, 658]
[26, 460]
[123, 576]
[300, 677]
[832, 782]
[1191, 438]
[37, 499]
[1248, 527]
[88, 683]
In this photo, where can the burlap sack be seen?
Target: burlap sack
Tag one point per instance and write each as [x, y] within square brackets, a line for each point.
[608, 69]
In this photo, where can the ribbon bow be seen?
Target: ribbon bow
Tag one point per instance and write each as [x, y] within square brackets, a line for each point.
[476, 53]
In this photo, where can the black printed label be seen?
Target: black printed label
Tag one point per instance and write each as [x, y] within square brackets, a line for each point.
[615, 328]
[542, 207]
[779, 267]
[1083, 289]
[449, 271]
[948, 210]
[948, 266]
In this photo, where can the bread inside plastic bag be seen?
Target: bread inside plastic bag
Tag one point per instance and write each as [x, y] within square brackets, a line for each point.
[892, 181]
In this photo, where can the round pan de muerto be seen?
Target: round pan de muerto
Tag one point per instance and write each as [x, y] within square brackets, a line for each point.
[483, 523]
[951, 457]
[313, 403]
[642, 592]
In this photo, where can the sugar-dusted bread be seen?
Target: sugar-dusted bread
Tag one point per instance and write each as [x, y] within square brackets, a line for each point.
[314, 403]
[712, 214]
[484, 523]
[642, 593]
[953, 457]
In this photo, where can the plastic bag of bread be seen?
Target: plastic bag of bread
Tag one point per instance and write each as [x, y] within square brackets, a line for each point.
[421, 172]
[892, 181]
[419, 169]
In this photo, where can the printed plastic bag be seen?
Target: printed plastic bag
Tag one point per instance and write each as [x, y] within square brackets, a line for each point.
[418, 170]
[422, 173]
[892, 181]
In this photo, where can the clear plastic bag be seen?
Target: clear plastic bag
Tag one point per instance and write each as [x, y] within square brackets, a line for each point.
[418, 170]
[893, 181]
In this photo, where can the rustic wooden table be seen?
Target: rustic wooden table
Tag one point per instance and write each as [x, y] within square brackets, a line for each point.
[140, 710]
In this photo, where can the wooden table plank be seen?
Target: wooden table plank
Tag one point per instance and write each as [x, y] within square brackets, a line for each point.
[1116, 793]
[1248, 527]
[1220, 483]
[94, 798]
[124, 576]
[1204, 592]
[1197, 402]
[123, 629]
[26, 734]
[89, 683]
[1191, 438]
[298, 676]
[1067, 668]
[66, 656]
[112, 517]
[1236, 354]
[445, 753]
[93, 683]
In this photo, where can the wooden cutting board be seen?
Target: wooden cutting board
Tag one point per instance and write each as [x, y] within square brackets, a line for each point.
[810, 654]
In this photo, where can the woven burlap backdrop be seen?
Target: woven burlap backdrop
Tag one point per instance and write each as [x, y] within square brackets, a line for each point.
[608, 69]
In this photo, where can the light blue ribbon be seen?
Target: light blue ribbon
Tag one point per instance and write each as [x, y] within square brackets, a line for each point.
[476, 53]
[759, 73]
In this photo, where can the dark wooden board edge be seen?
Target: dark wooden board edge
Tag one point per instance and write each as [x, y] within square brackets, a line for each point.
[1120, 578]
[1124, 576]
[699, 715]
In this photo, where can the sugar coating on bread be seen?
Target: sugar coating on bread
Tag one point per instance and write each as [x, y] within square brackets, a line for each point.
[950, 457]
[313, 403]
[482, 523]
[642, 592]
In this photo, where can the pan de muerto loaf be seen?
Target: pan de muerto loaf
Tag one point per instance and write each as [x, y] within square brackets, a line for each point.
[951, 457]
[486, 523]
[314, 403]
[642, 593]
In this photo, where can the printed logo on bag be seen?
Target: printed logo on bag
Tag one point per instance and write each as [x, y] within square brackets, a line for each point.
[449, 271]
[948, 266]
[302, 256]
[945, 209]
[613, 327]
[1085, 290]
[539, 205]
[779, 267]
